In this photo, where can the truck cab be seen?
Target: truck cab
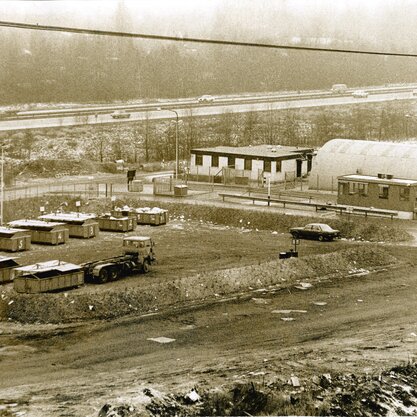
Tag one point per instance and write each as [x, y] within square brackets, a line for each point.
[141, 245]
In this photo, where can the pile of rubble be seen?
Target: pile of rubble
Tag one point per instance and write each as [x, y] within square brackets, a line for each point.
[389, 393]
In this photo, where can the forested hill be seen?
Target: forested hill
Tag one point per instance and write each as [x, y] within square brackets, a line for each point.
[45, 67]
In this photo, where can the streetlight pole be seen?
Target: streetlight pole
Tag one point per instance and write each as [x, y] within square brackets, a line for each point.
[176, 143]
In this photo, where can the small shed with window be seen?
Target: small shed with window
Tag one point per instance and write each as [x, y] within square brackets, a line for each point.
[381, 192]
[241, 165]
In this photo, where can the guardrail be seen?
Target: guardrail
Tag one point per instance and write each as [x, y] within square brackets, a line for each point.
[341, 209]
[140, 107]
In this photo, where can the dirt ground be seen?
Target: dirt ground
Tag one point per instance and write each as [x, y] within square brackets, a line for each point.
[360, 324]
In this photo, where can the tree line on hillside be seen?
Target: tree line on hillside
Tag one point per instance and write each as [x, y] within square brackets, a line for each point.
[43, 67]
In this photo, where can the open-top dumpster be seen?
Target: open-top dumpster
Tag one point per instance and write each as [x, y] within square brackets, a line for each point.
[81, 225]
[14, 240]
[47, 276]
[116, 224]
[7, 268]
[154, 216]
[52, 233]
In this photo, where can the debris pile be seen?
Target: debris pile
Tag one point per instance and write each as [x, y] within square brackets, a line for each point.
[393, 392]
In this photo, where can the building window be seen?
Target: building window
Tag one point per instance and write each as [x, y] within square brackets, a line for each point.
[248, 164]
[267, 166]
[383, 191]
[231, 161]
[278, 166]
[199, 160]
[343, 188]
[353, 188]
[215, 160]
[404, 194]
[362, 189]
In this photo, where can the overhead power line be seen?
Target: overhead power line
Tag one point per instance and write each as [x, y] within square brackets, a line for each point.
[49, 28]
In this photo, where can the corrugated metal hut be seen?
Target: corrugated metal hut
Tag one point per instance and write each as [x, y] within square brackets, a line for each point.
[52, 233]
[7, 269]
[117, 224]
[339, 157]
[14, 240]
[82, 225]
[48, 276]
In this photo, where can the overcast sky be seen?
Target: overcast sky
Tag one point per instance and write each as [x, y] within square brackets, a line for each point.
[376, 21]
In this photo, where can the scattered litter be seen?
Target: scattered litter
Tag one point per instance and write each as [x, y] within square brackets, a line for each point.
[10, 302]
[161, 339]
[65, 294]
[287, 318]
[294, 381]
[359, 301]
[319, 303]
[260, 301]
[413, 334]
[303, 286]
[72, 302]
[192, 396]
[288, 311]
[274, 232]
[257, 373]
[91, 307]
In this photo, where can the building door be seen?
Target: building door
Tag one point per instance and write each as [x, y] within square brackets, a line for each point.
[299, 165]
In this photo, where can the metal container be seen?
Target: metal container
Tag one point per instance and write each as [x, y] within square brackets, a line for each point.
[7, 269]
[51, 233]
[14, 240]
[80, 225]
[47, 276]
[152, 216]
[113, 224]
[180, 190]
[136, 186]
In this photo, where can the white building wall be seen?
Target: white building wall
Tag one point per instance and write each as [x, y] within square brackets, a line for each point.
[239, 163]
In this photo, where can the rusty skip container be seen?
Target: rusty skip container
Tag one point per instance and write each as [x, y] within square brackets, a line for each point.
[80, 225]
[47, 276]
[51, 233]
[14, 240]
[117, 224]
[7, 269]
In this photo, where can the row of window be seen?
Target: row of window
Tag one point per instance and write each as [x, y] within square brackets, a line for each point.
[231, 162]
[361, 189]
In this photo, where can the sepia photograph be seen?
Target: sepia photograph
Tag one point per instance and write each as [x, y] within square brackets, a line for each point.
[208, 207]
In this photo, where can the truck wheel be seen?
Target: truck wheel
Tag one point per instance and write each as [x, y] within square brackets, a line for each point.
[145, 266]
[114, 274]
[103, 276]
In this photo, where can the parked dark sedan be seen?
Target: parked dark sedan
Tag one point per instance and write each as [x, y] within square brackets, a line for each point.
[318, 231]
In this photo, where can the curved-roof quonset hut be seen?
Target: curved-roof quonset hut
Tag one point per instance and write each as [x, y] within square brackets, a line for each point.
[347, 156]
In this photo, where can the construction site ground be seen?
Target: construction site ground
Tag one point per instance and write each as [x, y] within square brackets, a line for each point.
[362, 324]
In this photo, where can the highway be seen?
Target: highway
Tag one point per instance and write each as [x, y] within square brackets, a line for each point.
[186, 108]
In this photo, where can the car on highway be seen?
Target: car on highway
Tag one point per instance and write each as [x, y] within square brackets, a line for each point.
[319, 231]
[206, 99]
[120, 114]
[360, 94]
[414, 92]
[339, 88]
